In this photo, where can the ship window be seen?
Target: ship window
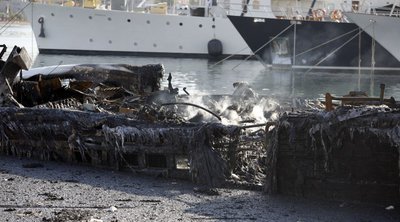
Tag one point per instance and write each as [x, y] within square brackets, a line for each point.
[109, 41]
[90, 40]
[128, 20]
[355, 5]
[213, 26]
[154, 45]
[200, 25]
[180, 47]
[90, 17]
[109, 19]
[135, 43]
[71, 16]
[180, 23]
[148, 21]
[167, 23]
[52, 14]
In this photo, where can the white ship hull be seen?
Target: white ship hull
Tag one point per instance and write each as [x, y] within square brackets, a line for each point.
[384, 29]
[77, 30]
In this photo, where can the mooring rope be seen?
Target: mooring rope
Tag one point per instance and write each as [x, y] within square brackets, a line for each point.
[331, 53]
[337, 49]
[13, 19]
[230, 56]
[263, 46]
[327, 42]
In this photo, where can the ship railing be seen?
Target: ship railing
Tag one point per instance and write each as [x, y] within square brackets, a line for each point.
[248, 9]
[395, 12]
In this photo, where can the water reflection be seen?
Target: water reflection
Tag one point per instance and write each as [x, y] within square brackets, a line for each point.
[201, 76]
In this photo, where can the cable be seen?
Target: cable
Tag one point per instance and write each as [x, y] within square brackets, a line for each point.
[337, 49]
[329, 41]
[12, 19]
[255, 52]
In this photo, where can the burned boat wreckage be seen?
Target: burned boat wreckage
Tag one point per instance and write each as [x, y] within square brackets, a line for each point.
[118, 117]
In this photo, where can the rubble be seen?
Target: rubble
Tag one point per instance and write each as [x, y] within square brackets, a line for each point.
[351, 153]
[117, 116]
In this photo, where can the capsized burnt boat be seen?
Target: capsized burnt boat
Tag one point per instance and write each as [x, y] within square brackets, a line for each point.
[116, 116]
[349, 153]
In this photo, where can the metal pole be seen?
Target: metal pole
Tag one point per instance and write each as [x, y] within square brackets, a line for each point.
[359, 59]
[294, 44]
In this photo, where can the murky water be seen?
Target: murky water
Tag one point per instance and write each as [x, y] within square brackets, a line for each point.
[202, 76]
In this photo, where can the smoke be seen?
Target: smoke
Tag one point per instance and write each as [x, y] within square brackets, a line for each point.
[243, 106]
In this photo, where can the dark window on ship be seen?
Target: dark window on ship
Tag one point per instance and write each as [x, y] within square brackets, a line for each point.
[90, 17]
[200, 25]
[180, 23]
[213, 26]
[355, 5]
[128, 20]
[109, 19]
[167, 23]
[71, 16]
[148, 21]
[52, 14]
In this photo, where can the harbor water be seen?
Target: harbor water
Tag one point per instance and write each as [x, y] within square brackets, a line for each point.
[203, 76]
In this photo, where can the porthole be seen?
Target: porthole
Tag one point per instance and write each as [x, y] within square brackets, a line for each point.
[90, 17]
[52, 14]
[154, 45]
[148, 21]
[71, 16]
[180, 47]
[213, 26]
[180, 23]
[167, 23]
[109, 19]
[128, 20]
[135, 43]
[90, 40]
[109, 41]
[200, 25]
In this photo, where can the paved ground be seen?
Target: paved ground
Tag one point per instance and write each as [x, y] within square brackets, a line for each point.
[49, 191]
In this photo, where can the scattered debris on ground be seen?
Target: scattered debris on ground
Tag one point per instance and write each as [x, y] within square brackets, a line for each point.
[117, 116]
